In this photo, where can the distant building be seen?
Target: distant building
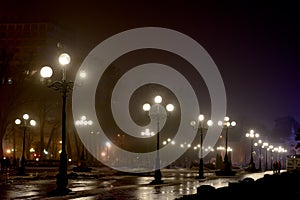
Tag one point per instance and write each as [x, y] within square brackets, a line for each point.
[29, 43]
[284, 133]
[26, 45]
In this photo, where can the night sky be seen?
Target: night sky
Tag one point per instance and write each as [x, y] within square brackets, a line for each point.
[254, 45]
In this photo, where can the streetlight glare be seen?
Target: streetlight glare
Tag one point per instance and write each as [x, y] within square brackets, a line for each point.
[192, 123]
[82, 74]
[146, 107]
[233, 123]
[108, 144]
[32, 122]
[64, 59]
[210, 122]
[17, 121]
[259, 141]
[46, 72]
[220, 123]
[25, 116]
[201, 117]
[158, 99]
[226, 119]
[170, 107]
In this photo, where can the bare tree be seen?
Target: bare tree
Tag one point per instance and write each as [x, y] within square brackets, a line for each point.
[15, 74]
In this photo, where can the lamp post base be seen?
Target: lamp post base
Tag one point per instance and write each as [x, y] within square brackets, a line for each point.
[226, 170]
[59, 192]
[157, 178]
[201, 170]
[200, 177]
[62, 177]
[251, 167]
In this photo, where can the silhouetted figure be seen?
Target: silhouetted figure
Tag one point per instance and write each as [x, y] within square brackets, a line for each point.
[278, 166]
[275, 167]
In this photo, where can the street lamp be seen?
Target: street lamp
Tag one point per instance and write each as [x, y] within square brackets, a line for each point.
[265, 145]
[108, 145]
[226, 168]
[157, 112]
[251, 135]
[82, 167]
[271, 156]
[25, 126]
[62, 86]
[200, 127]
[260, 146]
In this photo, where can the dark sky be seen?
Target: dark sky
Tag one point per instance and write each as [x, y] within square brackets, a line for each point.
[254, 45]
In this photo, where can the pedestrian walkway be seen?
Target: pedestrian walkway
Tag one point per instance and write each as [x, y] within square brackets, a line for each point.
[104, 183]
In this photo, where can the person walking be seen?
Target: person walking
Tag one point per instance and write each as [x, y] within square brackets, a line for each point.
[278, 166]
[275, 167]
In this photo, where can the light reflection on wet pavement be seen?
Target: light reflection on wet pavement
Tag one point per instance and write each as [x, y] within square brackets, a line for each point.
[176, 184]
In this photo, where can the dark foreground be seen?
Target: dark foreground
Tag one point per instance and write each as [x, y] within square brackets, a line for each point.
[285, 185]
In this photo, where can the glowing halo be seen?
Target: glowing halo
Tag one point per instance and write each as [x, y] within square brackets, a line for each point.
[83, 98]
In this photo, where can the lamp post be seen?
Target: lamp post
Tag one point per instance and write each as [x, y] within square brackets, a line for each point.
[200, 127]
[157, 112]
[275, 157]
[81, 165]
[15, 164]
[226, 168]
[251, 135]
[271, 156]
[260, 146]
[24, 124]
[64, 87]
[265, 146]
[108, 145]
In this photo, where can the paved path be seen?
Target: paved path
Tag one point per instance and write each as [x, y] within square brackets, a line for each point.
[108, 185]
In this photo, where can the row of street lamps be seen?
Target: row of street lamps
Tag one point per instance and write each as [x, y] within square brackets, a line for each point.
[158, 112]
[226, 169]
[266, 146]
[64, 87]
[25, 124]
[251, 135]
[155, 111]
[261, 145]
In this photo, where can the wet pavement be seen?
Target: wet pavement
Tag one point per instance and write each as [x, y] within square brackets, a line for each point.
[101, 184]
